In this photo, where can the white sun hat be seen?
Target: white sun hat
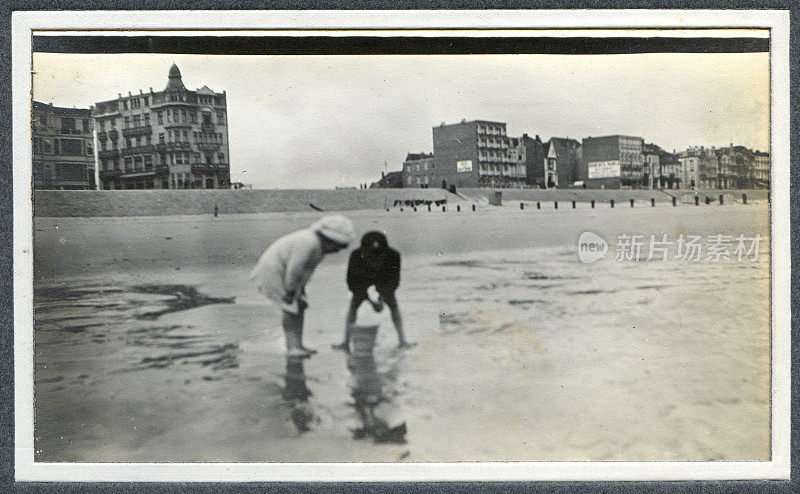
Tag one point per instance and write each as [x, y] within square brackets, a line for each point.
[336, 228]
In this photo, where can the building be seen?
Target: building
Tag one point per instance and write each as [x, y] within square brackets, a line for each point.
[652, 165]
[671, 170]
[699, 168]
[761, 170]
[612, 162]
[170, 139]
[553, 163]
[736, 167]
[418, 170]
[391, 180]
[565, 154]
[536, 173]
[690, 168]
[477, 154]
[63, 154]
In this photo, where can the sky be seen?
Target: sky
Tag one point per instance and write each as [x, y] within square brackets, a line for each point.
[326, 121]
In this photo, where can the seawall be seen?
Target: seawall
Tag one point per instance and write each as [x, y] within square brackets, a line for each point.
[74, 203]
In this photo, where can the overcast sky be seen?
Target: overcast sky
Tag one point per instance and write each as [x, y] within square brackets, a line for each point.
[325, 121]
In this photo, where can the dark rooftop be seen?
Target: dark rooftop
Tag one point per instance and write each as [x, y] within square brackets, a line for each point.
[58, 110]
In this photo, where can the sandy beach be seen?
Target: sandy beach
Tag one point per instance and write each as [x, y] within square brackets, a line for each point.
[151, 345]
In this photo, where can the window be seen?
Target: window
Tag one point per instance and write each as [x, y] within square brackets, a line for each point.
[160, 116]
[169, 133]
[161, 138]
[128, 142]
[221, 118]
[128, 163]
[124, 105]
[194, 135]
[186, 135]
[178, 158]
[89, 148]
[146, 101]
[137, 120]
[127, 122]
[67, 125]
[85, 123]
[221, 157]
[183, 115]
[43, 119]
[56, 146]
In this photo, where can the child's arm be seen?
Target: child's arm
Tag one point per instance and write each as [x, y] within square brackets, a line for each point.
[297, 272]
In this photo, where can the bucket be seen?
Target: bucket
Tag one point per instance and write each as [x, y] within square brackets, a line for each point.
[363, 338]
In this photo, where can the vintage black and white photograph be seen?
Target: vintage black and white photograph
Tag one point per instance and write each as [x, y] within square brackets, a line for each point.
[373, 246]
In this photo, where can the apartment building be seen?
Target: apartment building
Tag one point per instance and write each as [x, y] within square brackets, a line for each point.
[170, 139]
[63, 152]
[612, 162]
[477, 153]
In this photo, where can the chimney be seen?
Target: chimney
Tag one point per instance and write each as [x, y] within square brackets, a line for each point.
[383, 174]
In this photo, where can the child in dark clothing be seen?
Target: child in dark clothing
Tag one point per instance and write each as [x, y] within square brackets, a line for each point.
[373, 264]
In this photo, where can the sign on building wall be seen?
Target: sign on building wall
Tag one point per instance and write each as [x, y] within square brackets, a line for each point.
[604, 169]
[464, 166]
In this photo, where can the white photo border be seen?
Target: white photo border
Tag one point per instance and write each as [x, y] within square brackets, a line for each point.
[25, 23]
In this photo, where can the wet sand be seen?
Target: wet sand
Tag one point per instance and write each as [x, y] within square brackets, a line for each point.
[151, 344]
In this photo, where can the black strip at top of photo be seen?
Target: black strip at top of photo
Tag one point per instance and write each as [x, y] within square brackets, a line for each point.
[394, 45]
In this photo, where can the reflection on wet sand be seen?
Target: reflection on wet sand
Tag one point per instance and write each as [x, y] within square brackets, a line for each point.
[366, 389]
[296, 394]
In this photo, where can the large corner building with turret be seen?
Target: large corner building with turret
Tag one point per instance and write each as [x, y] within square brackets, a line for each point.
[170, 139]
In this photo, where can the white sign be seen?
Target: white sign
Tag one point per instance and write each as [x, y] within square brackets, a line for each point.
[464, 166]
[604, 169]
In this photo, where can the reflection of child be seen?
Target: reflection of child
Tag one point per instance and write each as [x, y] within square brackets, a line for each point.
[373, 264]
[285, 267]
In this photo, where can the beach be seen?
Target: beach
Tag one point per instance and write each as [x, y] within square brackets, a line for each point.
[152, 345]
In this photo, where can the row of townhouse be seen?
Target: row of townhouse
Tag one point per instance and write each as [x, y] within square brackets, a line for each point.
[479, 153]
[723, 168]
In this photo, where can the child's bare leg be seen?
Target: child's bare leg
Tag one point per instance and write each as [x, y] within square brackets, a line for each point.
[397, 319]
[293, 329]
[352, 312]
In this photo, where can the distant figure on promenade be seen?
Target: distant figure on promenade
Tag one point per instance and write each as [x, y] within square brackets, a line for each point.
[284, 269]
[373, 264]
